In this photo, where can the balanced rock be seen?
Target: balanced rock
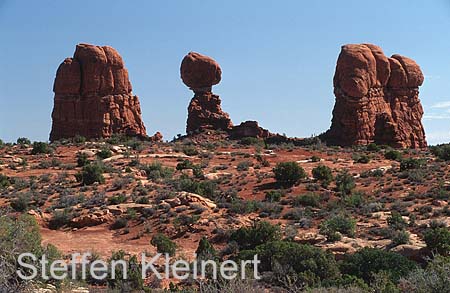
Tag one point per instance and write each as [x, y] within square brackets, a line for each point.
[93, 96]
[200, 73]
[377, 99]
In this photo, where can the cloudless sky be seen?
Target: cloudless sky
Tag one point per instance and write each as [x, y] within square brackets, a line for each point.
[277, 57]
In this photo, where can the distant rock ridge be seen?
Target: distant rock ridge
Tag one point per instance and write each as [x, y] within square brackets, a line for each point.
[377, 99]
[93, 96]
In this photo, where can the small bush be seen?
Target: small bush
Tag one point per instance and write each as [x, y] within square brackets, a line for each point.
[250, 141]
[259, 233]
[190, 150]
[273, 195]
[435, 278]
[323, 173]
[309, 199]
[345, 182]
[368, 261]
[23, 141]
[400, 237]
[288, 173]
[4, 181]
[119, 223]
[338, 223]
[117, 199]
[442, 151]
[396, 222]
[294, 264]
[411, 163]
[373, 147]
[41, 148]
[243, 166]
[82, 159]
[90, 174]
[363, 159]
[393, 155]
[438, 240]
[163, 244]
[156, 171]
[104, 153]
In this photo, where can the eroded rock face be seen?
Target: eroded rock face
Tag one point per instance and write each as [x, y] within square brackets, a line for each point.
[93, 96]
[249, 129]
[377, 99]
[200, 73]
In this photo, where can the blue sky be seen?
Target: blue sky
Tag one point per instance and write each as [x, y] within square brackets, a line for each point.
[277, 57]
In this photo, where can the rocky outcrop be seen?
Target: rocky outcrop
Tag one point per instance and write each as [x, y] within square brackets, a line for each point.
[249, 129]
[377, 99]
[93, 96]
[200, 73]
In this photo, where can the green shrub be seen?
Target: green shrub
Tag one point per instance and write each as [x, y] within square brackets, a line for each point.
[338, 223]
[82, 159]
[308, 199]
[4, 181]
[259, 233]
[345, 182]
[400, 237]
[190, 150]
[438, 240]
[205, 250]
[368, 261]
[117, 199]
[60, 219]
[251, 141]
[323, 173]
[23, 141]
[396, 222]
[315, 159]
[442, 151]
[355, 200]
[133, 282]
[119, 223]
[243, 207]
[185, 164]
[273, 195]
[373, 147]
[393, 155]
[288, 173]
[363, 159]
[163, 244]
[41, 148]
[302, 263]
[90, 174]
[243, 166]
[156, 171]
[20, 203]
[104, 153]
[411, 163]
[435, 278]
[205, 188]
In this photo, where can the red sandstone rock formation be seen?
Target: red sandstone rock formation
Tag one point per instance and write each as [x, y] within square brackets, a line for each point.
[377, 99]
[249, 129]
[93, 96]
[200, 73]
